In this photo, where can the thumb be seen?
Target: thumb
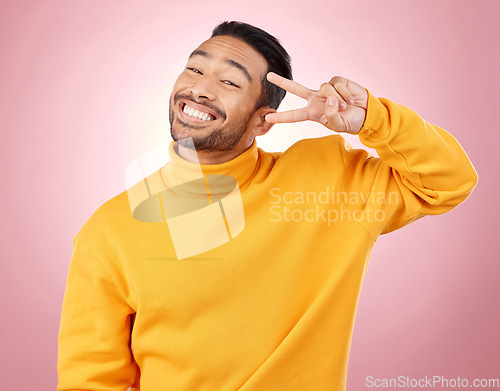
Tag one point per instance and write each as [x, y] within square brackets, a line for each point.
[332, 106]
[333, 118]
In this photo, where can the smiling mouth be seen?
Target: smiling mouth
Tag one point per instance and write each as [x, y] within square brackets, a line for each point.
[191, 114]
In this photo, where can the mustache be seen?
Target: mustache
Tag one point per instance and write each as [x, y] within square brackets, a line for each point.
[219, 112]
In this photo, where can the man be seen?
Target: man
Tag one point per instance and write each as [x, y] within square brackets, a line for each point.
[272, 307]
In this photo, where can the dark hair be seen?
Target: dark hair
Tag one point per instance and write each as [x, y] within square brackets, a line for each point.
[270, 48]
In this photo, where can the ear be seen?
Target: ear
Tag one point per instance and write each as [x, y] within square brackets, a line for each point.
[259, 125]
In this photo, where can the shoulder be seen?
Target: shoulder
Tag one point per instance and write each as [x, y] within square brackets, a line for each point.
[311, 157]
[331, 148]
[315, 144]
[106, 219]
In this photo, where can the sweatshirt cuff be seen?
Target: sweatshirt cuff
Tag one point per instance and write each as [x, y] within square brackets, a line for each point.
[376, 130]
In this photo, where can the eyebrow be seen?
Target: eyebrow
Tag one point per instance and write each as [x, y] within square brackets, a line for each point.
[227, 60]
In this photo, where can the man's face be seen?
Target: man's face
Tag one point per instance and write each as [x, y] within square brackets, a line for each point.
[214, 98]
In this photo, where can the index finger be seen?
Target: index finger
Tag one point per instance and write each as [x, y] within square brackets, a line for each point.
[289, 85]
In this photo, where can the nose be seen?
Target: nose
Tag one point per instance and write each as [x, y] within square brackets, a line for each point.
[203, 88]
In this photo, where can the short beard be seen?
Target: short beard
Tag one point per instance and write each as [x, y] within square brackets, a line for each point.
[218, 140]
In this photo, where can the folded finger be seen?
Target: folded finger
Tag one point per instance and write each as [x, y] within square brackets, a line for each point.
[328, 90]
[341, 86]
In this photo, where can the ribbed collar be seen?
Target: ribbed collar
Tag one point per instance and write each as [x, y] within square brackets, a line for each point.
[178, 171]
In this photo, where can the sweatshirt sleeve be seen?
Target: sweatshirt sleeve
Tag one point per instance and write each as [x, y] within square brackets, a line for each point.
[422, 169]
[94, 337]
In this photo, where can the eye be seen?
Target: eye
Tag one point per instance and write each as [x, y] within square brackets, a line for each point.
[230, 83]
[194, 70]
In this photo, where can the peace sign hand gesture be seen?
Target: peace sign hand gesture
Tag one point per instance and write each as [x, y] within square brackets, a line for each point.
[340, 105]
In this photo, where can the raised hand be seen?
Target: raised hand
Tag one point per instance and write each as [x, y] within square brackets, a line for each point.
[340, 104]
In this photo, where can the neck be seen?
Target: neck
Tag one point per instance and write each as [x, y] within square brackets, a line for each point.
[180, 170]
[212, 157]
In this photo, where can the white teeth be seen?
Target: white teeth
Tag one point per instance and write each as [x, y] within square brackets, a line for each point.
[196, 114]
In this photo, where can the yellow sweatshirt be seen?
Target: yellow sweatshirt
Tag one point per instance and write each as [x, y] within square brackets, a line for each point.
[273, 307]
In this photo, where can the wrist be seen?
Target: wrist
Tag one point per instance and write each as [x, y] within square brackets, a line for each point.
[376, 128]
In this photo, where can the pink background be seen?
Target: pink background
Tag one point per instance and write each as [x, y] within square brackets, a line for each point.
[84, 91]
